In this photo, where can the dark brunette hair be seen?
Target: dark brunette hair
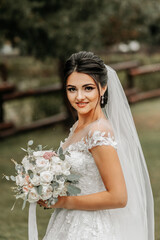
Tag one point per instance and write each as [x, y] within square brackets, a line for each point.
[88, 63]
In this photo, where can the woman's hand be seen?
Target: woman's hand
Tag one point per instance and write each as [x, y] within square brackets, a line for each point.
[61, 203]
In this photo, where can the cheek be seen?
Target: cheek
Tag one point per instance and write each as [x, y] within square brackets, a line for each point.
[94, 96]
[70, 96]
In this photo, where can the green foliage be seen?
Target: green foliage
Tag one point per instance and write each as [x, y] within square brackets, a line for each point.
[128, 19]
[52, 28]
[58, 28]
[73, 190]
[73, 177]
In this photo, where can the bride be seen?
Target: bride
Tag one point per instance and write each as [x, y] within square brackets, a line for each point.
[116, 201]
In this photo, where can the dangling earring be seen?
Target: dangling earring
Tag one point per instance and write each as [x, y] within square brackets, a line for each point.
[102, 99]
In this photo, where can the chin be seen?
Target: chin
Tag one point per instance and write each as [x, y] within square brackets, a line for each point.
[85, 111]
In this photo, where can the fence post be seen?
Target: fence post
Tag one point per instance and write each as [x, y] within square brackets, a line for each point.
[1, 109]
[130, 80]
[3, 72]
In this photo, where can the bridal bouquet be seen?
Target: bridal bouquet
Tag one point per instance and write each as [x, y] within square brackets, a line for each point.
[43, 174]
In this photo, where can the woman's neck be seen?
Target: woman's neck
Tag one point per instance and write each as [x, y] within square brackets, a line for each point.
[85, 119]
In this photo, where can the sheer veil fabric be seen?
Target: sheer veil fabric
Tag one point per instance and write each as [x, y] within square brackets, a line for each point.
[136, 220]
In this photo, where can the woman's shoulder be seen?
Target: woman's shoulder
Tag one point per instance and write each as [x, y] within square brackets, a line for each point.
[101, 133]
[101, 125]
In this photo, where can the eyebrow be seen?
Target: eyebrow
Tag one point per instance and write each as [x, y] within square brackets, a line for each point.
[82, 86]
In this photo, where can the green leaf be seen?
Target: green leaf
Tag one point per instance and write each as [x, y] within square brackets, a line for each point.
[24, 202]
[49, 202]
[39, 189]
[60, 150]
[30, 142]
[62, 157]
[23, 170]
[18, 167]
[59, 176]
[67, 153]
[73, 190]
[73, 177]
[13, 178]
[39, 147]
[54, 184]
[30, 173]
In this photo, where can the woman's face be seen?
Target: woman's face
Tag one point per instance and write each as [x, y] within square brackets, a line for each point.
[82, 92]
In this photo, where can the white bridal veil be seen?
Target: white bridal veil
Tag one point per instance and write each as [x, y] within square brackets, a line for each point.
[136, 220]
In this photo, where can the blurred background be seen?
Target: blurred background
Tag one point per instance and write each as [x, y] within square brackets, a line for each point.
[36, 37]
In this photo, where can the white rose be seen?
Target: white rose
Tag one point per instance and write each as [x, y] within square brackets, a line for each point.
[20, 181]
[46, 192]
[66, 172]
[62, 188]
[27, 165]
[61, 183]
[38, 153]
[46, 177]
[53, 202]
[42, 164]
[56, 169]
[56, 160]
[66, 168]
[35, 180]
[33, 196]
[55, 193]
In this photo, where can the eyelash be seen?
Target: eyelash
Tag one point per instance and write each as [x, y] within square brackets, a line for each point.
[89, 88]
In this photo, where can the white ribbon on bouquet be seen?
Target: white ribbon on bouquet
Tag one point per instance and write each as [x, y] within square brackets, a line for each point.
[32, 222]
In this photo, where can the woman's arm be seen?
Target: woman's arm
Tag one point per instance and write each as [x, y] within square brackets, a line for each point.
[107, 161]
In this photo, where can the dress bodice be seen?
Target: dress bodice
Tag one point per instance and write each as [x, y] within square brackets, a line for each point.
[82, 161]
[70, 224]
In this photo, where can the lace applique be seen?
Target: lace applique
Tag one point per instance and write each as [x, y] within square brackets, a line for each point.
[98, 138]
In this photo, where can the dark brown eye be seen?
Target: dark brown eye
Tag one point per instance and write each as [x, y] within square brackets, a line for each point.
[71, 89]
[89, 88]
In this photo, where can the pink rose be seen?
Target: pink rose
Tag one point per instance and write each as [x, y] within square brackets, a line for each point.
[48, 155]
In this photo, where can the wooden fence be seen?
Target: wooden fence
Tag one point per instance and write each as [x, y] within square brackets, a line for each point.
[8, 92]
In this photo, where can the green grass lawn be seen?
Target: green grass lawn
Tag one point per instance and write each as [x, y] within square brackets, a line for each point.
[13, 224]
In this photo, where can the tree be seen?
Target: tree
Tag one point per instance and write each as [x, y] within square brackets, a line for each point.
[52, 28]
[58, 28]
[131, 19]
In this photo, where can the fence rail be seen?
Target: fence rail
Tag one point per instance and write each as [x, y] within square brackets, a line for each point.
[33, 92]
[8, 92]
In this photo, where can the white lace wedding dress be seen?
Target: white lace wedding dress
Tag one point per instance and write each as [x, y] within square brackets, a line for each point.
[79, 224]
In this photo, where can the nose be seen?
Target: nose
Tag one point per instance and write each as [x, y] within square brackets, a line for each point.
[80, 95]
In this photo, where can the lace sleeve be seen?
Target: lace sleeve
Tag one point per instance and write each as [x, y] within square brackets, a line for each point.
[98, 138]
